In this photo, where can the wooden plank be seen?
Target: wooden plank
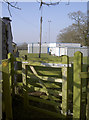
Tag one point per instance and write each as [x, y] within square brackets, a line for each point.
[53, 98]
[25, 85]
[65, 60]
[84, 74]
[55, 92]
[44, 101]
[7, 90]
[84, 93]
[55, 65]
[70, 89]
[48, 71]
[51, 85]
[37, 84]
[19, 84]
[0, 67]
[33, 70]
[18, 71]
[88, 100]
[77, 89]
[12, 74]
[87, 107]
[34, 63]
[11, 71]
[10, 67]
[49, 79]
[50, 91]
[47, 112]
[35, 99]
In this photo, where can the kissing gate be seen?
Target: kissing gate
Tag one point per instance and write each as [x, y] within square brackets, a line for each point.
[61, 92]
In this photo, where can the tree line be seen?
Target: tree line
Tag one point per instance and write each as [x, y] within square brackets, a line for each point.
[77, 32]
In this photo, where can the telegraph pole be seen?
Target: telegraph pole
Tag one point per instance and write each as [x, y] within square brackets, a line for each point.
[40, 37]
[48, 4]
[40, 31]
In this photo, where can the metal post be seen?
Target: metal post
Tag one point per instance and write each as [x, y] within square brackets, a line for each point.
[49, 30]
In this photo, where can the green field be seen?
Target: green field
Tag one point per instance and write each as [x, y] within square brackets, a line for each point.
[46, 57]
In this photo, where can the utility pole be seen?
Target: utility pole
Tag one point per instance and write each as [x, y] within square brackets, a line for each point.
[40, 30]
[49, 29]
[40, 37]
[48, 4]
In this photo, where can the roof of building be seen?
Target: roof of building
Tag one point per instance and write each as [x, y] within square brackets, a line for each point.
[7, 18]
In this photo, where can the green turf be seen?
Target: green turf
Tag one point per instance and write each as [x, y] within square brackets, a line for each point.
[46, 57]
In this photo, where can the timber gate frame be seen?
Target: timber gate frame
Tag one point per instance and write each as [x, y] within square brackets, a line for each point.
[80, 80]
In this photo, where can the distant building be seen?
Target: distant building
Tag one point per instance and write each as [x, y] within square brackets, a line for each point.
[34, 47]
[23, 46]
[58, 49]
[69, 51]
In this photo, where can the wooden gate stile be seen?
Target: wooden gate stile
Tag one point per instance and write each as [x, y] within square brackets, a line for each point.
[11, 72]
[7, 99]
[65, 80]
[77, 88]
[79, 79]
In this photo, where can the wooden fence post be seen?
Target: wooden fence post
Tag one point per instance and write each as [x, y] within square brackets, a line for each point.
[84, 93]
[87, 110]
[7, 90]
[25, 84]
[25, 57]
[65, 62]
[11, 71]
[77, 85]
[10, 67]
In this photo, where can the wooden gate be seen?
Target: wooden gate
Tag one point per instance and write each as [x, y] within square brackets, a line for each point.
[64, 90]
[47, 86]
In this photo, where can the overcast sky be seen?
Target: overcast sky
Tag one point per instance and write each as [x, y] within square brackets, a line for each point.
[26, 22]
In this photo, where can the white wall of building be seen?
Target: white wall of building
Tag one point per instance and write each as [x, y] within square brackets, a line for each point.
[54, 51]
[68, 45]
[62, 51]
[69, 51]
[34, 47]
[58, 49]
[52, 45]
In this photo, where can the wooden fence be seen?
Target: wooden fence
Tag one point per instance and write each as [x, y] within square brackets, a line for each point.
[65, 90]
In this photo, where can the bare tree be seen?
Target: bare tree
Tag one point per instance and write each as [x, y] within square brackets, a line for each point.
[77, 32]
[11, 4]
[78, 17]
[80, 20]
